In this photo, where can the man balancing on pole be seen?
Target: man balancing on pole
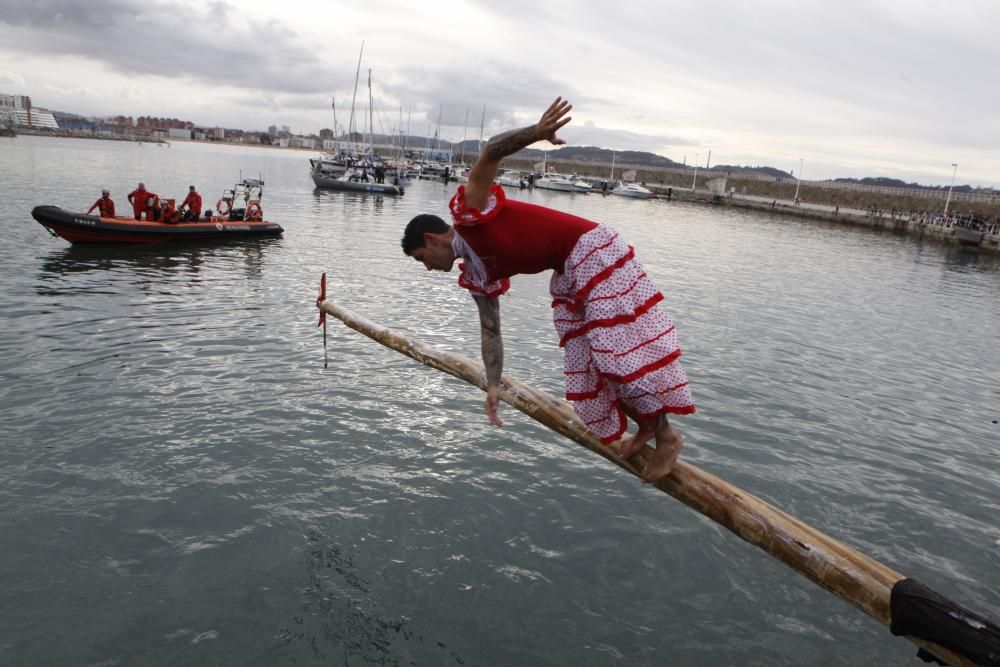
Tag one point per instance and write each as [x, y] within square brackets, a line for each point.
[621, 352]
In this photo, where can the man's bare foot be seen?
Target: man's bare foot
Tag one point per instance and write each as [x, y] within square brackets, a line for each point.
[633, 445]
[668, 447]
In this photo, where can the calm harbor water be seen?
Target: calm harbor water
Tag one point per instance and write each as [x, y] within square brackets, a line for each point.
[181, 481]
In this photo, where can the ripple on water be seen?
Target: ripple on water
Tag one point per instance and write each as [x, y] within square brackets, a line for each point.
[181, 477]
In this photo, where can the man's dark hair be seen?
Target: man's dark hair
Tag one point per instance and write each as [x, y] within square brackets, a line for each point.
[413, 237]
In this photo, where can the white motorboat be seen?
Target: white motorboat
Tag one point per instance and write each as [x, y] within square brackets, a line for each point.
[555, 182]
[631, 190]
[580, 185]
[512, 179]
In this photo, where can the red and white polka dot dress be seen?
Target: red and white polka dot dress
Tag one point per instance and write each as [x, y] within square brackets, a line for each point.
[619, 347]
[621, 350]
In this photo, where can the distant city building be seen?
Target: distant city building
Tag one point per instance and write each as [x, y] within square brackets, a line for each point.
[256, 138]
[18, 108]
[178, 133]
[272, 131]
[153, 123]
[121, 121]
[326, 133]
[217, 134]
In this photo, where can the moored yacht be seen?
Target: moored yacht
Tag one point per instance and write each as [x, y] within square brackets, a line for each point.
[512, 179]
[555, 182]
[580, 185]
[631, 190]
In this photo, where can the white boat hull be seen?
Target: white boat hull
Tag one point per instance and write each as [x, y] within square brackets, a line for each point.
[551, 184]
[632, 190]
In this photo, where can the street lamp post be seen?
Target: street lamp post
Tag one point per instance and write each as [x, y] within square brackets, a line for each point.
[694, 180]
[798, 182]
[948, 200]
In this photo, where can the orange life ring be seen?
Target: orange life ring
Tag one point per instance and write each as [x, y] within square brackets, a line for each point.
[254, 211]
[222, 207]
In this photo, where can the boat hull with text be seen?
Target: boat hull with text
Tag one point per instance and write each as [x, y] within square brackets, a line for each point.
[348, 185]
[83, 228]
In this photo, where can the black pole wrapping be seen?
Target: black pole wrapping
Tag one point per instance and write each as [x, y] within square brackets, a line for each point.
[919, 612]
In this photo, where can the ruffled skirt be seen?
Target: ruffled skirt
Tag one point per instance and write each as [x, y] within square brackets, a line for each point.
[621, 351]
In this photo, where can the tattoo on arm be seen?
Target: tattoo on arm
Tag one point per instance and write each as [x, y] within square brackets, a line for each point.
[492, 342]
[509, 143]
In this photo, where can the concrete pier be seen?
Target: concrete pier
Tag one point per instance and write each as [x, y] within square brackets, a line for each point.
[899, 223]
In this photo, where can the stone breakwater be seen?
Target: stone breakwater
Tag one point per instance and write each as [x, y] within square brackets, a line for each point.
[918, 226]
[913, 214]
[831, 193]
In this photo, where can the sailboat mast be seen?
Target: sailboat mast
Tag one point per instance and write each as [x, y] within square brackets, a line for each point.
[612, 176]
[465, 128]
[371, 128]
[333, 103]
[357, 73]
[437, 130]
[400, 130]
[482, 124]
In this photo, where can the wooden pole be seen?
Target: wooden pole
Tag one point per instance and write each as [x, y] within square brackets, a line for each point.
[845, 572]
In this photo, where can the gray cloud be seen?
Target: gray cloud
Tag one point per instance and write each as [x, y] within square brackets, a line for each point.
[859, 82]
[169, 40]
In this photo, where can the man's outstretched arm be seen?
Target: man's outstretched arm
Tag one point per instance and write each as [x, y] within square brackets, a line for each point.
[492, 342]
[485, 170]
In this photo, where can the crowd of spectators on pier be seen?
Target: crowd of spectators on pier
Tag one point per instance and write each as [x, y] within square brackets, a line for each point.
[968, 219]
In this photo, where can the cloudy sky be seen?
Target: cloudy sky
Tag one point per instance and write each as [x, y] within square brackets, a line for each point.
[897, 88]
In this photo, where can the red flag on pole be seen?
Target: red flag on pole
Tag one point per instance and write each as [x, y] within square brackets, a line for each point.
[321, 299]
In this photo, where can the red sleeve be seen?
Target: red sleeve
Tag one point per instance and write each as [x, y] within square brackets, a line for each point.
[96, 204]
[491, 290]
[470, 216]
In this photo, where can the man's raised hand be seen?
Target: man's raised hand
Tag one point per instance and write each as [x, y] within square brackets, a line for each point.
[552, 121]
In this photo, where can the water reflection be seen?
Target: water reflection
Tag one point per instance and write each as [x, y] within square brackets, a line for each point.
[361, 202]
[969, 260]
[176, 258]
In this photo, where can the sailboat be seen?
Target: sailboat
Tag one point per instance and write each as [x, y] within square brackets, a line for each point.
[359, 175]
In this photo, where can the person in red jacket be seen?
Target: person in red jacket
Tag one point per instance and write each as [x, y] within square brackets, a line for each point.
[140, 200]
[621, 351]
[193, 204]
[104, 205]
[168, 212]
